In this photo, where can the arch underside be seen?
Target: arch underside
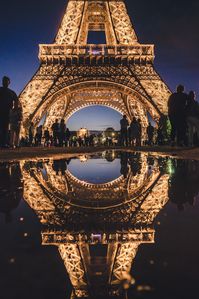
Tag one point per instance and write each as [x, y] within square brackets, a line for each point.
[65, 104]
[60, 91]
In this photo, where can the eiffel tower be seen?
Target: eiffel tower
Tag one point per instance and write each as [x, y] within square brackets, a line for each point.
[74, 74]
[97, 228]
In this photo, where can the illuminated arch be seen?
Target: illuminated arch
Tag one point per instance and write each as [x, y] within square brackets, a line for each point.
[66, 101]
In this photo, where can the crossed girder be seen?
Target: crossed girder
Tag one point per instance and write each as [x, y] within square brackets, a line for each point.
[54, 92]
[82, 16]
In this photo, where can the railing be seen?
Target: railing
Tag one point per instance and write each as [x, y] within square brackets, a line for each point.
[64, 51]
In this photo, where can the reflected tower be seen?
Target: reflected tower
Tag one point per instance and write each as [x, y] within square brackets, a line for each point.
[97, 227]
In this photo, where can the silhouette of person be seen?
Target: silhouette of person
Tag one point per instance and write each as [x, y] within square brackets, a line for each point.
[63, 166]
[184, 183]
[135, 163]
[192, 112]
[124, 131]
[160, 132]
[74, 140]
[15, 117]
[62, 133]
[38, 136]
[177, 115]
[124, 164]
[7, 99]
[55, 130]
[31, 134]
[129, 136]
[163, 130]
[86, 140]
[133, 131]
[46, 137]
[150, 134]
[60, 166]
[91, 140]
[80, 142]
[56, 166]
[67, 136]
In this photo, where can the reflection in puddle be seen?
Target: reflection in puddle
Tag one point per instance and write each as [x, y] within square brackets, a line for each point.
[11, 188]
[98, 210]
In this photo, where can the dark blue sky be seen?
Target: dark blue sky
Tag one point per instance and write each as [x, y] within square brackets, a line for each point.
[171, 25]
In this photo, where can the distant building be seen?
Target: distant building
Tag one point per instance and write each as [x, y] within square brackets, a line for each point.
[82, 133]
[110, 133]
[110, 136]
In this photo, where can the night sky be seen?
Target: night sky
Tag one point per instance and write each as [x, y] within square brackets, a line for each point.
[172, 25]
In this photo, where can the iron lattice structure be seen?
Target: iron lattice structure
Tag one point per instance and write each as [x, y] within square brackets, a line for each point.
[77, 215]
[74, 74]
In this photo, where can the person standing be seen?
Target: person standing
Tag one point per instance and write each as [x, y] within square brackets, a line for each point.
[15, 117]
[67, 136]
[129, 136]
[134, 128]
[38, 135]
[74, 140]
[192, 112]
[124, 164]
[7, 99]
[160, 135]
[62, 133]
[55, 130]
[46, 137]
[150, 134]
[31, 134]
[91, 140]
[124, 131]
[80, 141]
[177, 115]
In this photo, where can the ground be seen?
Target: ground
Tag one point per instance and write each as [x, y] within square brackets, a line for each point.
[57, 153]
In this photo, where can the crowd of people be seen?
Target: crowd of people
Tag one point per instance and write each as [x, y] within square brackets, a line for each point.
[183, 111]
[135, 134]
[183, 119]
[58, 135]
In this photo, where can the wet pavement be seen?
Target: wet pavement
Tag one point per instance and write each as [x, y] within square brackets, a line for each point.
[32, 153]
[96, 224]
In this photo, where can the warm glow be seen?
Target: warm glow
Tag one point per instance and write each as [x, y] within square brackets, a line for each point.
[108, 71]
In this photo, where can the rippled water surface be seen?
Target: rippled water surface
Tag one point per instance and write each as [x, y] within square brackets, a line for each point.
[133, 220]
